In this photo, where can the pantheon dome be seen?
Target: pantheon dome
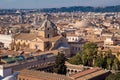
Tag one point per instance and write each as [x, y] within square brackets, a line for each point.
[83, 23]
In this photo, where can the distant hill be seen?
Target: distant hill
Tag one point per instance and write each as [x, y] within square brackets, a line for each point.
[64, 9]
[83, 9]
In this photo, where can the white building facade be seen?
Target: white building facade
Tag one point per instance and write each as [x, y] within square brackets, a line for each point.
[73, 38]
[6, 39]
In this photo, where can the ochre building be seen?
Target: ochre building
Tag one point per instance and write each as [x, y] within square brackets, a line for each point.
[45, 38]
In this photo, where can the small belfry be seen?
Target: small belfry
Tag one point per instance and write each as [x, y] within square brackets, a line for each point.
[48, 29]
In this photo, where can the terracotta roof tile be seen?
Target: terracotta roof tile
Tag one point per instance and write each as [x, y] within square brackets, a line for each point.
[43, 75]
[84, 73]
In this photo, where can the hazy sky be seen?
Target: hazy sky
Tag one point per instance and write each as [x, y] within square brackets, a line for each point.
[55, 3]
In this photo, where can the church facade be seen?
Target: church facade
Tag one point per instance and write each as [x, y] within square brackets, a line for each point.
[45, 38]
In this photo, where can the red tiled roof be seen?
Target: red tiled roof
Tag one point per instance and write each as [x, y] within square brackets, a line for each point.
[84, 73]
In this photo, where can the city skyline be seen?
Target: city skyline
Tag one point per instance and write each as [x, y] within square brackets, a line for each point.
[55, 3]
[59, 39]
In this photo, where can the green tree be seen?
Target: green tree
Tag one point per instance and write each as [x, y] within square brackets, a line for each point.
[60, 67]
[99, 61]
[115, 76]
[110, 59]
[109, 62]
[76, 59]
[89, 52]
[104, 65]
[84, 59]
[90, 48]
[116, 63]
[109, 54]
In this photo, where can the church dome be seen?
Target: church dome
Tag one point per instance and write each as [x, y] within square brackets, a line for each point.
[82, 23]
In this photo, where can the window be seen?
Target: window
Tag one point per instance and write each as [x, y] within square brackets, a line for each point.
[48, 35]
[36, 46]
[72, 48]
[76, 48]
[76, 39]
[72, 38]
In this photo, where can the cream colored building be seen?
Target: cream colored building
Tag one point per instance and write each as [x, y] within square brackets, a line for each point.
[6, 39]
[45, 38]
[109, 42]
[73, 38]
